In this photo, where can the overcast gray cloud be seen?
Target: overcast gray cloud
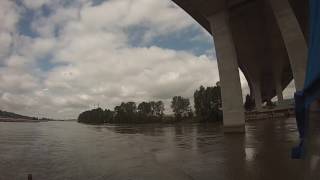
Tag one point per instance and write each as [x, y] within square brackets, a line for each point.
[80, 55]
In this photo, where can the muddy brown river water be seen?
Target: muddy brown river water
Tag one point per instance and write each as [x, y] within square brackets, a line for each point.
[69, 150]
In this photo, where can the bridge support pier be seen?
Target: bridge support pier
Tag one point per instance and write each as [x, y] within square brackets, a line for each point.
[293, 38]
[231, 92]
[257, 95]
[279, 91]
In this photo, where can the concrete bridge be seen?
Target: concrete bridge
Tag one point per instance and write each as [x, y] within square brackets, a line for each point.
[266, 39]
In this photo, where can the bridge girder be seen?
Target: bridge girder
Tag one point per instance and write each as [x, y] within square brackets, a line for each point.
[262, 50]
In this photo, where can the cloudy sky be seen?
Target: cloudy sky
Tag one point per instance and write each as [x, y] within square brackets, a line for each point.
[60, 57]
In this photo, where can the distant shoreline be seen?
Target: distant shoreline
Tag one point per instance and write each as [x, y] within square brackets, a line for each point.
[5, 119]
[2, 119]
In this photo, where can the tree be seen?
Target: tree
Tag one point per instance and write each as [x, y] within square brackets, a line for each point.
[126, 112]
[158, 109]
[108, 116]
[151, 111]
[96, 116]
[181, 107]
[207, 103]
[145, 109]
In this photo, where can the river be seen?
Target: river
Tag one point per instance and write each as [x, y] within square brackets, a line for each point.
[69, 150]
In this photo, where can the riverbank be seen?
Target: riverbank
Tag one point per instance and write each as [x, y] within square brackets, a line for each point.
[19, 120]
[165, 120]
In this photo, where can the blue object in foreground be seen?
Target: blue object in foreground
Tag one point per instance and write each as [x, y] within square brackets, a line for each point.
[311, 91]
[298, 152]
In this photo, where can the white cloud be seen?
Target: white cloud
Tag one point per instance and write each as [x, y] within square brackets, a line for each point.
[35, 4]
[97, 65]
[5, 43]
[9, 16]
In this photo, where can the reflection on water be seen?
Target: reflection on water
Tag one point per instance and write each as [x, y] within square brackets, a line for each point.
[250, 153]
[68, 150]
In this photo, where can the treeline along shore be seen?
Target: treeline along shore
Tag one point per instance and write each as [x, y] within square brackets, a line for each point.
[6, 116]
[9, 116]
[207, 108]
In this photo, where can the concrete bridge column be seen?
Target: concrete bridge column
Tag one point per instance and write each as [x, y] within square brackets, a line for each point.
[279, 91]
[257, 95]
[232, 102]
[293, 38]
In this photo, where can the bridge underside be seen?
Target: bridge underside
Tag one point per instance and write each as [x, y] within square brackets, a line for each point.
[266, 39]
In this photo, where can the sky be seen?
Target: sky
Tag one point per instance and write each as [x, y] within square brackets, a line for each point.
[61, 57]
